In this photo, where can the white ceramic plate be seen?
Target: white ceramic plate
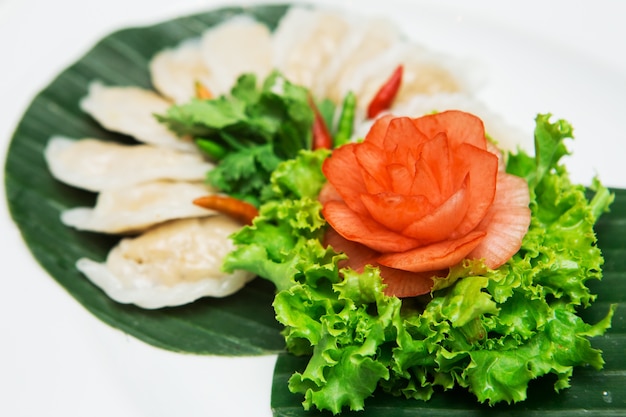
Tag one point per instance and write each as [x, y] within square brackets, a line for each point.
[562, 57]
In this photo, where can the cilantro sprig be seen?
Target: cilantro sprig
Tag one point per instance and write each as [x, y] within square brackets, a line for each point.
[250, 131]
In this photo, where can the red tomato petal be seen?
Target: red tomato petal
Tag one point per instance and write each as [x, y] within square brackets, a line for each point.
[425, 182]
[436, 162]
[511, 190]
[372, 164]
[506, 223]
[401, 178]
[433, 257]
[341, 171]
[377, 132]
[397, 282]
[461, 127]
[396, 211]
[328, 193]
[494, 150]
[365, 230]
[482, 171]
[433, 170]
[404, 283]
[440, 223]
[358, 255]
[402, 137]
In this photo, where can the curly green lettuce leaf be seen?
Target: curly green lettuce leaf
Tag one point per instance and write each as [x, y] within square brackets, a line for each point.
[337, 322]
[284, 240]
[299, 177]
[560, 245]
[503, 374]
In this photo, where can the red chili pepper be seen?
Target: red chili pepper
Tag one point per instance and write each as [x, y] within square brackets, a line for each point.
[202, 91]
[321, 136]
[230, 206]
[387, 93]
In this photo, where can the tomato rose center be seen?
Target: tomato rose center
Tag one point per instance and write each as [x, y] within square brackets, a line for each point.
[416, 193]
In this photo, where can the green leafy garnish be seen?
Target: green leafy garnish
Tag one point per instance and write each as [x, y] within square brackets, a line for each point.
[491, 331]
[284, 239]
[251, 131]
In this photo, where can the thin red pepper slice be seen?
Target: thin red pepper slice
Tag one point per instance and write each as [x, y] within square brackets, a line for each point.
[387, 93]
[321, 136]
[230, 206]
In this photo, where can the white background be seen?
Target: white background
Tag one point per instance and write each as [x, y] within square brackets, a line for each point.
[564, 57]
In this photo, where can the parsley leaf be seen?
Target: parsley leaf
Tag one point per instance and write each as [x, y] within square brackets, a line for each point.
[250, 131]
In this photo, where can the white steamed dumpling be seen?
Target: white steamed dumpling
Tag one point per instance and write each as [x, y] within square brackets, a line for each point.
[97, 165]
[171, 264]
[131, 111]
[174, 71]
[134, 208]
[424, 73]
[364, 44]
[306, 41]
[236, 46]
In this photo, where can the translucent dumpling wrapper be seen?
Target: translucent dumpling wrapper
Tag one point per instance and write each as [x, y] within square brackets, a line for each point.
[237, 46]
[98, 165]
[171, 264]
[424, 73]
[365, 43]
[306, 41]
[134, 208]
[174, 71]
[131, 111]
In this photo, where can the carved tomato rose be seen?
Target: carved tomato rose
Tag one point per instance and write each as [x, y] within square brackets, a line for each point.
[418, 196]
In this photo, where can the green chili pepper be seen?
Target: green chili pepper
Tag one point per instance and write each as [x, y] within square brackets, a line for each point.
[211, 148]
[346, 120]
[326, 108]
